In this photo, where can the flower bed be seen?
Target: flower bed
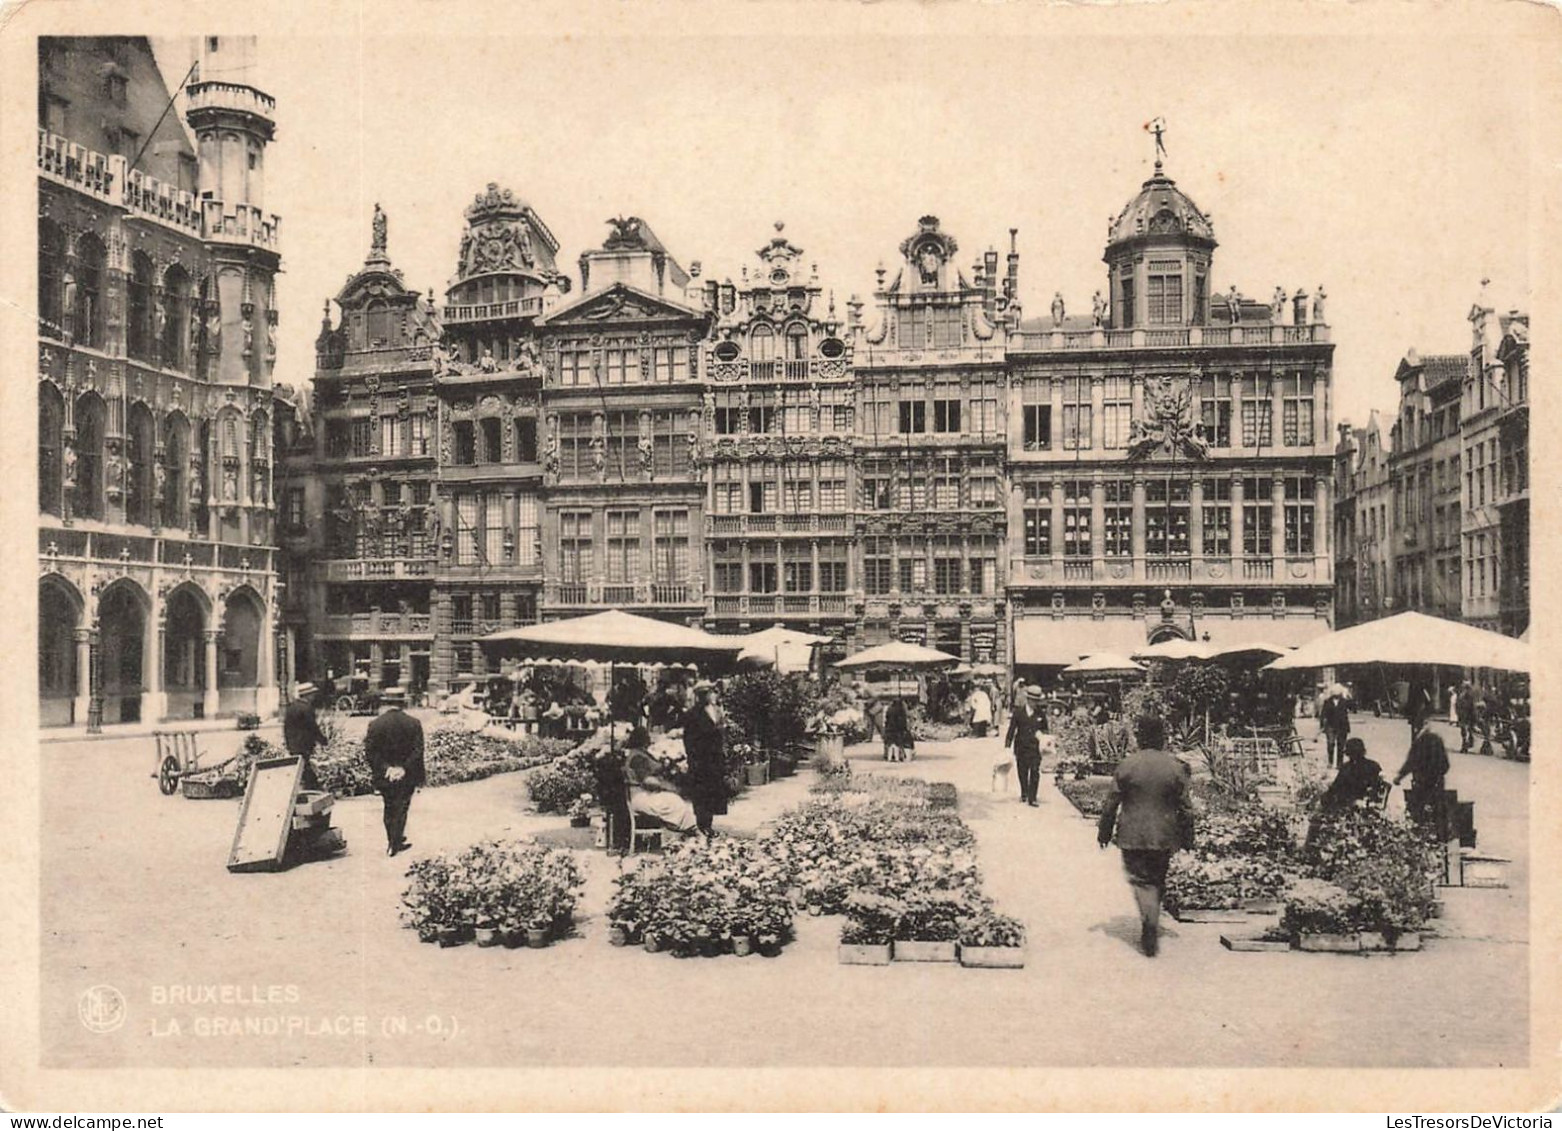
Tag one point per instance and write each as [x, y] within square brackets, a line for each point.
[1242, 851]
[705, 898]
[506, 887]
[1366, 873]
[1088, 795]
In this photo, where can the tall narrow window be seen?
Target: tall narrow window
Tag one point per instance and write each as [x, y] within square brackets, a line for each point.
[797, 568]
[623, 546]
[1076, 414]
[1076, 518]
[1116, 411]
[1037, 407]
[469, 545]
[1037, 511]
[727, 487]
[175, 326]
[832, 485]
[138, 307]
[1166, 504]
[574, 546]
[623, 441]
[1217, 518]
[51, 424]
[1258, 516]
[1215, 409]
[1256, 413]
[88, 312]
[493, 528]
[1297, 410]
[1299, 516]
[1165, 293]
[876, 566]
[913, 417]
[527, 542]
[671, 547]
[390, 436]
[762, 487]
[1117, 519]
[51, 261]
[797, 488]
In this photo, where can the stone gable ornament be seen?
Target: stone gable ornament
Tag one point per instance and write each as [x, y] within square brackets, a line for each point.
[1167, 423]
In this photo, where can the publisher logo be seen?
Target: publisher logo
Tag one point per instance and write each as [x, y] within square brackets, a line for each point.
[101, 1009]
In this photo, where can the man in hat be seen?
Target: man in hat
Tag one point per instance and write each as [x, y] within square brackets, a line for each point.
[1427, 767]
[301, 730]
[1026, 724]
[1334, 719]
[393, 747]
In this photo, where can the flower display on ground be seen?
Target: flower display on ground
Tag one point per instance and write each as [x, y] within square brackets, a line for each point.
[703, 896]
[495, 885]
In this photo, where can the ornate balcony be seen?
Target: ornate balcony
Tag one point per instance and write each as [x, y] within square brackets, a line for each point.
[1167, 337]
[487, 311]
[379, 569]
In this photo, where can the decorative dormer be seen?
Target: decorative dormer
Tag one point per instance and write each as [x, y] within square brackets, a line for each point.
[1159, 250]
[929, 253]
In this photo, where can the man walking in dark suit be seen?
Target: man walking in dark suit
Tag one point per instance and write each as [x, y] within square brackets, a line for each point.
[1151, 810]
[703, 747]
[1026, 724]
[394, 749]
[301, 731]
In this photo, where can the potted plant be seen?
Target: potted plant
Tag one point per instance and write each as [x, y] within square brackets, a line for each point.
[538, 933]
[618, 934]
[511, 934]
[991, 940]
[580, 812]
[929, 928]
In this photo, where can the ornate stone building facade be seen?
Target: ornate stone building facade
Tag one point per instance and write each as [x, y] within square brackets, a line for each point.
[931, 440]
[624, 508]
[741, 454]
[779, 424]
[1169, 454]
[156, 409]
[1363, 551]
[1424, 479]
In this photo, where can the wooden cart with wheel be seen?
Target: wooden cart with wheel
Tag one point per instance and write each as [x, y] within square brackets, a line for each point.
[179, 760]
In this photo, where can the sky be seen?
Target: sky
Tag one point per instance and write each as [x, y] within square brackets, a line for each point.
[1391, 171]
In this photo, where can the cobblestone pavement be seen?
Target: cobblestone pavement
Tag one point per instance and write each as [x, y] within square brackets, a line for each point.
[136, 896]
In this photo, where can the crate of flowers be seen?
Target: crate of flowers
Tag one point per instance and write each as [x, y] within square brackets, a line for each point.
[510, 892]
[992, 940]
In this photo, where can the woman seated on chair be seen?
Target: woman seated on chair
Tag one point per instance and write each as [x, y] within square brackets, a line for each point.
[1359, 778]
[650, 791]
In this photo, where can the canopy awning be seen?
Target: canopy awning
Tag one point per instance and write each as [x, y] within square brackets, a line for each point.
[1284, 632]
[898, 655]
[613, 636]
[1411, 638]
[1044, 642]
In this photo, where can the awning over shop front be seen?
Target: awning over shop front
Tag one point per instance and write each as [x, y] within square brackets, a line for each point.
[1284, 632]
[1044, 642]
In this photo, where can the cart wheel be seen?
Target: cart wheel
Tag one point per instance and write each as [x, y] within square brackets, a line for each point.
[345, 704]
[168, 776]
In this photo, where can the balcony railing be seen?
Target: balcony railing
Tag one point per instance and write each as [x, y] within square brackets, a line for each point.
[795, 370]
[618, 594]
[1168, 337]
[1258, 570]
[377, 624]
[592, 593]
[1078, 571]
[663, 593]
[378, 569]
[569, 593]
[762, 370]
[484, 311]
[807, 522]
[106, 177]
[97, 545]
[1168, 570]
[214, 95]
[790, 604]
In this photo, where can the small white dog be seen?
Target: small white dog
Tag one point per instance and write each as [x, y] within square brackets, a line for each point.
[1047, 743]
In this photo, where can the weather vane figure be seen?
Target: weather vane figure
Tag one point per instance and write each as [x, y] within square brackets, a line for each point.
[1157, 126]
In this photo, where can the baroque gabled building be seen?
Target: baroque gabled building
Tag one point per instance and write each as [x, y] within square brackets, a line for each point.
[624, 508]
[156, 411]
[489, 377]
[1169, 453]
[365, 522]
[931, 440]
[778, 422]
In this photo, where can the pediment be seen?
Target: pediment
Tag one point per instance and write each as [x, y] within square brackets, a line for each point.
[620, 303]
[374, 284]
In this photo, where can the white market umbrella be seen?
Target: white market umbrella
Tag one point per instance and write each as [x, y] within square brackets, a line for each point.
[787, 648]
[1104, 664]
[1257, 650]
[898, 656]
[612, 637]
[1175, 649]
[1410, 638]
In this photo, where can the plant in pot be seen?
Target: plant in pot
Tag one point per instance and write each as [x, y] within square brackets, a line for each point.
[869, 931]
[929, 928]
[580, 811]
[988, 939]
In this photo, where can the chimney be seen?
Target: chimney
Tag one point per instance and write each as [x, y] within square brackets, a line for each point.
[990, 283]
[1011, 283]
